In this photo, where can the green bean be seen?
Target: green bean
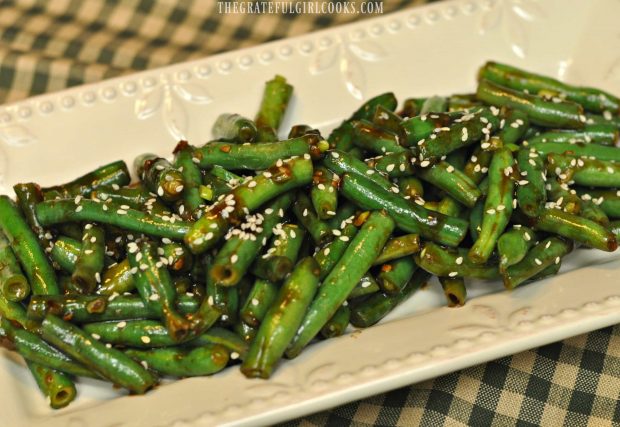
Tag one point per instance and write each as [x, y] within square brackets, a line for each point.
[106, 362]
[346, 274]
[25, 245]
[280, 324]
[329, 255]
[58, 387]
[192, 179]
[585, 171]
[497, 206]
[13, 283]
[513, 245]
[562, 114]
[340, 163]
[234, 128]
[531, 190]
[112, 174]
[475, 219]
[454, 182]
[541, 256]
[592, 99]
[323, 193]
[367, 285]
[338, 323]
[434, 104]
[398, 247]
[419, 127]
[396, 274]
[282, 254]
[117, 279]
[32, 348]
[245, 331]
[460, 102]
[410, 187]
[408, 216]
[378, 305]
[341, 138]
[179, 258]
[307, 217]
[244, 243]
[579, 229]
[614, 227]
[607, 200]
[462, 133]
[245, 199]
[276, 97]
[478, 164]
[99, 308]
[160, 176]
[376, 140]
[179, 362]
[28, 195]
[513, 126]
[387, 119]
[394, 165]
[603, 134]
[453, 263]
[300, 130]
[599, 152]
[454, 289]
[89, 262]
[261, 297]
[136, 197]
[155, 287]
[257, 156]
[346, 212]
[62, 211]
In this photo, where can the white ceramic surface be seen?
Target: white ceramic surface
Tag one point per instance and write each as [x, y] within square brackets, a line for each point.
[434, 49]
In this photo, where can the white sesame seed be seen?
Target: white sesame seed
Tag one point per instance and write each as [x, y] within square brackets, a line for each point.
[234, 258]
[234, 355]
[453, 274]
[390, 167]
[79, 208]
[527, 236]
[537, 261]
[459, 260]
[95, 336]
[145, 339]
[491, 211]
[557, 260]
[154, 297]
[255, 301]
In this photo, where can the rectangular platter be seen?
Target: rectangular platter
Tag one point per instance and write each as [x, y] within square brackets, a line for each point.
[435, 49]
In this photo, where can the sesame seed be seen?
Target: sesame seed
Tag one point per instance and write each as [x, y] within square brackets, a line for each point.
[390, 167]
[252, 184]
[557, 260]
[491, 211]
[326, 251]
[331, 213]
[344, 238]
[527, 236]
[79, 208]
[154, 297]
[234, 258]
[459, 260]
[425, 163]
[95, 336]
[547, 245]
[255, 301]
[88, 251]
[501, 207]
[537, 261]
[335, 155]
[145, 339]
[234, 355]
[453, 274]
[121, 212]
[336, 232]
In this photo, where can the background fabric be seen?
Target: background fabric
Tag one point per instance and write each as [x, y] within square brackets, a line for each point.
[49, 45]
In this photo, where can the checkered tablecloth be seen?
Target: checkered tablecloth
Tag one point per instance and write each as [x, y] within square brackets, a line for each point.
[49, 45]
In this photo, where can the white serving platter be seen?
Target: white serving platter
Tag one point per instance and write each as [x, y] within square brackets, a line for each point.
[429, 50]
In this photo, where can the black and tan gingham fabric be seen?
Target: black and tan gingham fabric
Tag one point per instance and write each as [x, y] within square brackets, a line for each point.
[49, 45]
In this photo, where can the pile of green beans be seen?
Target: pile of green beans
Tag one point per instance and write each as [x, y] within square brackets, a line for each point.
[245, 249]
